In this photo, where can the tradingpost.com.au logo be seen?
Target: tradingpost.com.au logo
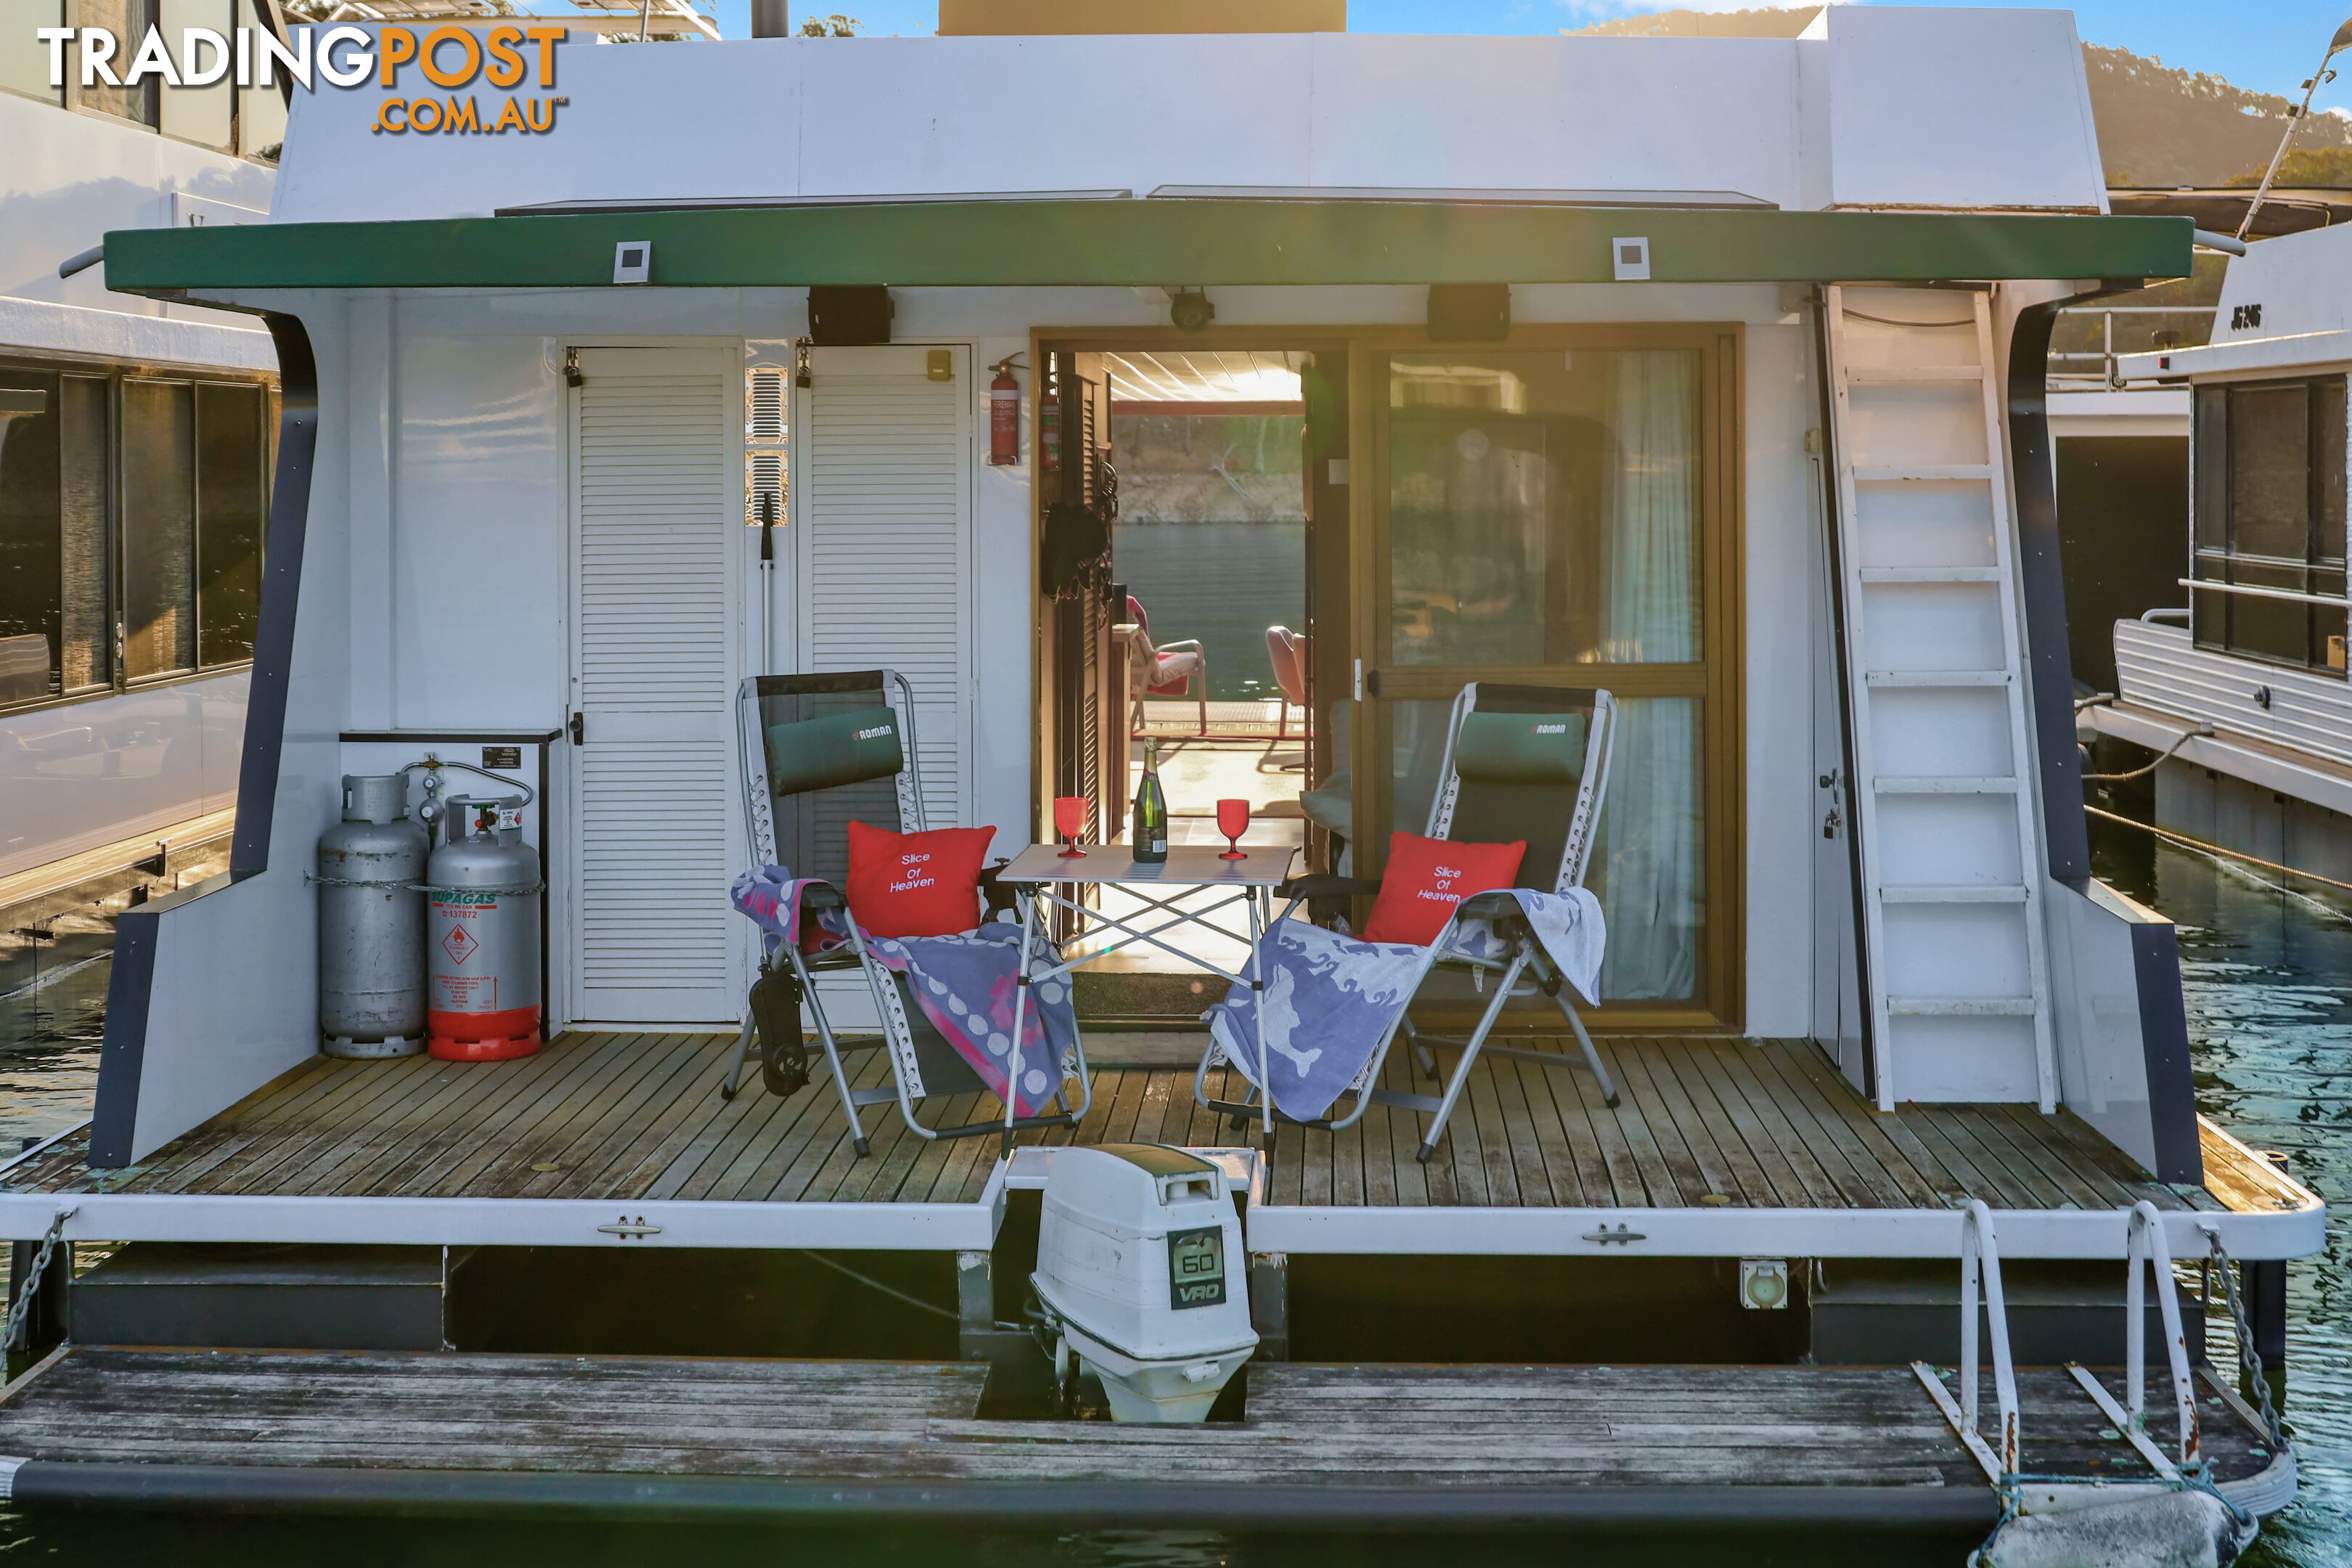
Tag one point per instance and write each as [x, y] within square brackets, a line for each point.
[449, 57]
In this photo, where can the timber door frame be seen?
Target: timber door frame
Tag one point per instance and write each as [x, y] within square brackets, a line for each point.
[1719, 680]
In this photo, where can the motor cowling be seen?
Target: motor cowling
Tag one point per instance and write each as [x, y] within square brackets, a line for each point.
[481, 934]
[1140, 1277]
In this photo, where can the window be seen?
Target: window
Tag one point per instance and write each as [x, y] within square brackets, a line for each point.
[2267, 504]
[1551, 518]
[23, 57]
[248, 120]
[128, 21]
[132, 510]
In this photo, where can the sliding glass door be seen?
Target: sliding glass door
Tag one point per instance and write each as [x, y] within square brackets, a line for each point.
[1558, 512]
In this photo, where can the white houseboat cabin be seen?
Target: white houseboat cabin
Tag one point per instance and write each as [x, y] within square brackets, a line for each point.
[135, 441]
[2242, 692]
[1707, 372]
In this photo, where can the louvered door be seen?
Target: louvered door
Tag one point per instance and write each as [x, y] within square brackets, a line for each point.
[882, 542]
[657, 512]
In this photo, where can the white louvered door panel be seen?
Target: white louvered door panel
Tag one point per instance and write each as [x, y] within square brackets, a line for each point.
[657, 506]
[882, 515]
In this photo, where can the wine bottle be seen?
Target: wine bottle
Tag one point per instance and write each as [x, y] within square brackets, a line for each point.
[1150, 835]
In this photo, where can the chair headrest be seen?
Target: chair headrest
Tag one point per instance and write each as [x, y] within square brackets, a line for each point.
[838, 749]
[1521, 748]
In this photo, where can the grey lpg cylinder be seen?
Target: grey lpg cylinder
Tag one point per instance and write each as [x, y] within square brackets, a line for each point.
[372, 923]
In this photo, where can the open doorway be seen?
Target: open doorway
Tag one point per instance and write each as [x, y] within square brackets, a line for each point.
[1210, 551]
[1222, 521]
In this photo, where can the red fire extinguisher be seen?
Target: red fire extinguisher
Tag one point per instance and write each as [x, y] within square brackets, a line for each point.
[1003, 417]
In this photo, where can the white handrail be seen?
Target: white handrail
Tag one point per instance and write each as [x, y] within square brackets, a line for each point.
[2146, 1240]
[1981, 1266]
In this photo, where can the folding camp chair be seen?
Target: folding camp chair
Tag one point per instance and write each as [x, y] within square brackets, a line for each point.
[1520, 761]
[818, 753]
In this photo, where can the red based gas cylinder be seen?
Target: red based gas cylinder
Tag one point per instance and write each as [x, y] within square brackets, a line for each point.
[481, 935]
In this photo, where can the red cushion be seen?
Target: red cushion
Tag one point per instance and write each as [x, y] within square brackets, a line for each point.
[916, 884]
[1427, 876]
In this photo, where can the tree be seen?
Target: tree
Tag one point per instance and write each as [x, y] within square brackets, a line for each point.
[833, 27]
[2308, 167]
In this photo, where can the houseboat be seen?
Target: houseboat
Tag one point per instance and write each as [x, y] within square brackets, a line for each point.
[2240, 692]
[135, 439]
[1708, 373]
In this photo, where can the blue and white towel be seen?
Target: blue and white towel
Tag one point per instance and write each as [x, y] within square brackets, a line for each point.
[1330, 1000]
[965, 985]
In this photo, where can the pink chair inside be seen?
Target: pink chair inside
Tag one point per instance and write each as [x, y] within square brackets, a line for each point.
[1286, 651]
[1179, 684]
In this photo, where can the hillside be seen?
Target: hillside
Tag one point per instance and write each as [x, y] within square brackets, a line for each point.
[2159, 125]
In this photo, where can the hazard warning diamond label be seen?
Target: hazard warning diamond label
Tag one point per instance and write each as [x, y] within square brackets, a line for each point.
[460, 944]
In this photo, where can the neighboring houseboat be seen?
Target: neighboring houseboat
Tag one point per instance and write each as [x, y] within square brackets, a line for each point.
[2242, 691]
[135, 440]
[1744, 424]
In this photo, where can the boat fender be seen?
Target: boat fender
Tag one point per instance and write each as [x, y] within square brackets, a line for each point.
[2185, 1529]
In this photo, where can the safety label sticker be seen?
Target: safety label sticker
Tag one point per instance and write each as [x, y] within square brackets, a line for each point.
[460, 944]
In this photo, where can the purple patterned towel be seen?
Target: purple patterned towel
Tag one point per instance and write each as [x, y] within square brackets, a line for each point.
[1330, 1000]
[964, 984]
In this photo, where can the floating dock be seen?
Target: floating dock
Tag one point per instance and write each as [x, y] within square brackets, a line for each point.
[1320, 1447]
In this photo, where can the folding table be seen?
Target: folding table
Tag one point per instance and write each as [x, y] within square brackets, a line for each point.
[1042, 870]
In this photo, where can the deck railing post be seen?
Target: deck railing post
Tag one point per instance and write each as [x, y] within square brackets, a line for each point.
[2146, 1240]
[1981, 1290]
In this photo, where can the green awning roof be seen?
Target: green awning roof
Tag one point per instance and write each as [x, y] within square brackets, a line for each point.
[984, 244]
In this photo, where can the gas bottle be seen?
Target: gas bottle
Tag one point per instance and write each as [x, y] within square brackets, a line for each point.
[372, 923]
[481, 933]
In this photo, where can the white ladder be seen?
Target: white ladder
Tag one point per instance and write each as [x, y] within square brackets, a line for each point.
[1949, 835]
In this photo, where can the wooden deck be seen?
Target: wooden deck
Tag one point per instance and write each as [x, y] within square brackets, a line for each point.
[1394, 1427]
[1702, 1122]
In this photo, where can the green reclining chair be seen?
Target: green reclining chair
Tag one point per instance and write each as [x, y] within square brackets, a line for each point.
[1520, 761]
[820, 751]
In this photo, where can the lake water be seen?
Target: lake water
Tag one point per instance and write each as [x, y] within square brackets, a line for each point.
[2268, 978]
[1223, 583]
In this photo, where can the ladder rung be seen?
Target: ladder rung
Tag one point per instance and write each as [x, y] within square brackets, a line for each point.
[1922, 474]
[1981, 893]
[1855, 373]
[1924, 783]
[1962, 1006]
[1931, 573]
[1937, 678]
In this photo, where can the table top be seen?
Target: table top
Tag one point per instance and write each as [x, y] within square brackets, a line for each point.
[1188, 865]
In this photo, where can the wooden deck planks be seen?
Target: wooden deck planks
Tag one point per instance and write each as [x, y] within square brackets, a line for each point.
[630, 1117]
[1387, 1425]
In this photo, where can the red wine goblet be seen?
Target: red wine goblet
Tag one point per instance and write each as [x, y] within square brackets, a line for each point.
[1070, 822]
[1232, 821]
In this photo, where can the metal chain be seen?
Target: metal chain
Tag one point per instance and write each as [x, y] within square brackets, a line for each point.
[21, 1309]
[2250, 1360]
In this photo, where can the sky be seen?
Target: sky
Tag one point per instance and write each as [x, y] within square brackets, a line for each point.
[2266, 45]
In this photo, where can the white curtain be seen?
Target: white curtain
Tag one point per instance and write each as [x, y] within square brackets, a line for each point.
[1650, 828]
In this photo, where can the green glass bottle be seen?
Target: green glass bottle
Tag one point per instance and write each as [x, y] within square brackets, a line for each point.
[1150, 835]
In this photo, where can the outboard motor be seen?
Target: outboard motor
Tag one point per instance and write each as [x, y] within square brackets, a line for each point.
[1140, 1272]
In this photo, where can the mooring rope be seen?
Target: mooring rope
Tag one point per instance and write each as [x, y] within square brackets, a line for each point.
[2183, 838]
